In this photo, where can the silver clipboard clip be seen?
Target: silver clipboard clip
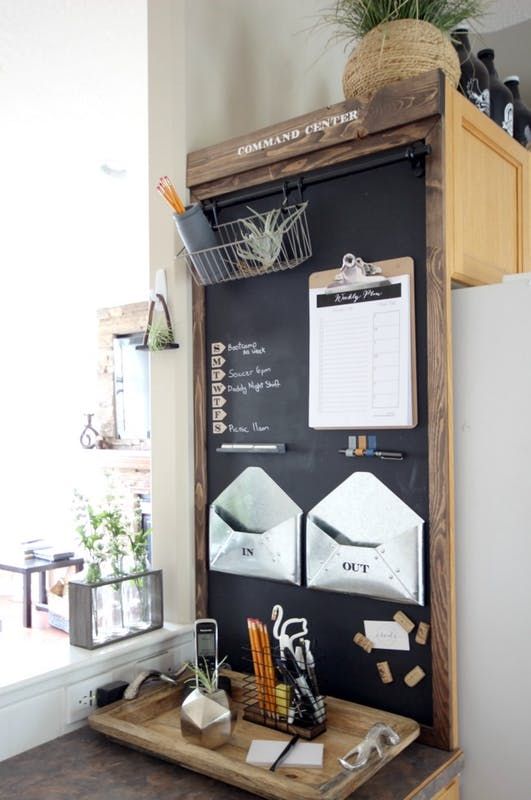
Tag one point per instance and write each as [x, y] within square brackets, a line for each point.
[355, 273]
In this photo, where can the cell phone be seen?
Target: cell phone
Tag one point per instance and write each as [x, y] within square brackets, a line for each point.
[206, 646]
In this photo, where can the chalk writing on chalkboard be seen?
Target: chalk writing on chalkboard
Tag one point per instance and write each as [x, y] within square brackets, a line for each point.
[246, 369]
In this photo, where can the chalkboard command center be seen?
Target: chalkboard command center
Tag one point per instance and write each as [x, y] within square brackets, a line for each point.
[292, 509]
[258, 372]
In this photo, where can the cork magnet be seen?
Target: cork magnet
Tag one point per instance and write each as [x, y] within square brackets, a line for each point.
[423, 632]
[414, 676]
[404, 621]
[363, 642]
[384, 671]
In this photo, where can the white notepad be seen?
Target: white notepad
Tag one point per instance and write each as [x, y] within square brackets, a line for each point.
[263, 752]
[361, 357]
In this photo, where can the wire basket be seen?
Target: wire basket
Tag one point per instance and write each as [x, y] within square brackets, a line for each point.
[265, 242]
[270, 700]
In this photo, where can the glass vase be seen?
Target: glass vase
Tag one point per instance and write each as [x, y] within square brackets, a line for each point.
[136, 598]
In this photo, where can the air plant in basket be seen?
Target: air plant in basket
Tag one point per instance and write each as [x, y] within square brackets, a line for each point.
[263, 235]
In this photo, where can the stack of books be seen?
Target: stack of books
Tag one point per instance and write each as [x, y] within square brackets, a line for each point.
[42, 548]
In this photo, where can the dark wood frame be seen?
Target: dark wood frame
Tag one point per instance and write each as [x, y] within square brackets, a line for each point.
[397, 115]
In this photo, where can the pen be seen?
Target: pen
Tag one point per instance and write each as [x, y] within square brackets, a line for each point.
[388, 456]
[310, 667]
[385, 455]
[292, 742]
[300, 707]
[300, 681]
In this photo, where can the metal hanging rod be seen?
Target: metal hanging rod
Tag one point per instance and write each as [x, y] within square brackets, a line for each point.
[415, 154]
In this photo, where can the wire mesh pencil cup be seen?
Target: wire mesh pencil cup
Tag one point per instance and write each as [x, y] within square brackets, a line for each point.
[265, 242]
[272, 700]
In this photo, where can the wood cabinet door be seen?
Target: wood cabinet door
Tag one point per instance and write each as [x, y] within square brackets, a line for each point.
[450, 793]
[488, 187]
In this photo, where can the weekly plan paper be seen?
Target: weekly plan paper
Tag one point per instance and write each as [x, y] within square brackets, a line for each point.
[361, 356]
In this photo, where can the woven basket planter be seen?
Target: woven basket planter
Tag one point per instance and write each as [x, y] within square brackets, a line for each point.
[397, 50]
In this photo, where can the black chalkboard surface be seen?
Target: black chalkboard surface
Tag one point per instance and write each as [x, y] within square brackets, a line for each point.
[262, 324]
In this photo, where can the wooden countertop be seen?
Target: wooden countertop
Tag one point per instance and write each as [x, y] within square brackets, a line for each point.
[84, 765]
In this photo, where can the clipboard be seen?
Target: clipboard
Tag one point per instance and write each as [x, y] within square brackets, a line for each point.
[391, 268]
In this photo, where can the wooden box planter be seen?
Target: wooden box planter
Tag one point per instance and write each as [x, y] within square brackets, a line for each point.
[114, 608]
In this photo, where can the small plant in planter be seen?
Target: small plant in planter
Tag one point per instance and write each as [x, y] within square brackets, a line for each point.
[206, 715]
[122, 602]
[262, 239]
[397, 39]
[203, 679]
[91, 537]
[138, 548]
[159, 332]
[112, 537]
[160, 337]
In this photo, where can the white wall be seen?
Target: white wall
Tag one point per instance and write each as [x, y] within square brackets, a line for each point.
[171, 371]
[492, 398]
[215, 69]
[254, 63]
[73, 92]
[38, 697]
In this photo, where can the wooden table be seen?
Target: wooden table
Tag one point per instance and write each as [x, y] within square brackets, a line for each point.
[87, 766]
[26, 567]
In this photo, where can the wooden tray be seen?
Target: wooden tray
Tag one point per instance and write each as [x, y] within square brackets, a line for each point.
[151, 723]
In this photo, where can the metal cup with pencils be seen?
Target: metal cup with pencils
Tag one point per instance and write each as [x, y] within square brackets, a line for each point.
[283, 693]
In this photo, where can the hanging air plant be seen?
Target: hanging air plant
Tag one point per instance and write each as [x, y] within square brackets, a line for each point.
[263, 235]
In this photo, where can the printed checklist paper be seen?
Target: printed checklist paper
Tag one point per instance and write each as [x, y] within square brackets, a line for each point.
[361, 356]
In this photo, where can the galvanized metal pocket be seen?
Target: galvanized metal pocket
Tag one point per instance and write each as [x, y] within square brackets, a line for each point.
[362, 539]
[255, 529]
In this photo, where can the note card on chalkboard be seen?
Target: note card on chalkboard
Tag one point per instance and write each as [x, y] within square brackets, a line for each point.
[362, 351]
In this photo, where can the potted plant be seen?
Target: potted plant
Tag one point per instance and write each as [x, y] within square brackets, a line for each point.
[397, 39]
[91, 537]
[206, 714]
[118, 595]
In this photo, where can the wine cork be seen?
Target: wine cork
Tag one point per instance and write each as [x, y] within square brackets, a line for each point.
[363, 642]
[423, 632]
[384, 671]
[404, 621]
[414, 676]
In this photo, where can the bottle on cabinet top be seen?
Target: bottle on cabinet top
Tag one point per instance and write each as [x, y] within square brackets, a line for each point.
[474, 80]
[522, 115]
[501, 99]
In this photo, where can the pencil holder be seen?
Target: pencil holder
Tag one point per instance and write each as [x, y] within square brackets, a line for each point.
[199, 238]
[282, 699]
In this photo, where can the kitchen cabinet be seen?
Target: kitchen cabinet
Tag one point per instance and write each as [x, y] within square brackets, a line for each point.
[450, 793]
[487, 198]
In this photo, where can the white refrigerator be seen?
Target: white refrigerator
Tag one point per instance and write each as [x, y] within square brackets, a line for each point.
[492, 432]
